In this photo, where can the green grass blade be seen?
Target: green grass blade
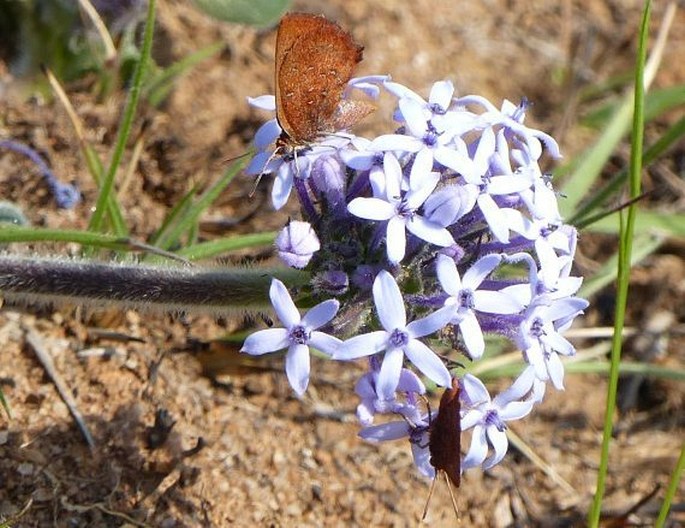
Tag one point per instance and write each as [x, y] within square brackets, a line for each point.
[156, 90]
[213, 248]
[589, 168]
[96, 170]
[600, 197]
[657, 103]
[172, 236]
[10, 234]
[672, 489]
[5, 405]
[667, 224]
[180, 209]
[107, 185]
[625, 249]
[645, 245]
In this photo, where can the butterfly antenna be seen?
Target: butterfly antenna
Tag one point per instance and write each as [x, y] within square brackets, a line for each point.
[454, 499]
[430, 494]
[273, 155]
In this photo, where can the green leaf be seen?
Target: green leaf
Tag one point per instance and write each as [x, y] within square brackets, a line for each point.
[156, 89]
[657, 103]
[252, 12]
[668, 224]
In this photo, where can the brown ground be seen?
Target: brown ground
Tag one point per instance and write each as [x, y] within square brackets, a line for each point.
[268, 459]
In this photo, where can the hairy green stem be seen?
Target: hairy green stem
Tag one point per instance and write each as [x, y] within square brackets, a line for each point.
[28, 280]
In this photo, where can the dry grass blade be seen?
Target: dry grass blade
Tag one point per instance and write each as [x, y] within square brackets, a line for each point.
[36, 342]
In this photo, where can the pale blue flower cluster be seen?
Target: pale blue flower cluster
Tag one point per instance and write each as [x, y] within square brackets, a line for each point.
[449, 230]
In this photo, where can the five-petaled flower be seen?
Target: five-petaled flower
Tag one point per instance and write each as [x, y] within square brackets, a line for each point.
[299, 333]
[398, 339]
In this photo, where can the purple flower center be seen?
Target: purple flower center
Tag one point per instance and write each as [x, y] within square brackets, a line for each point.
[466, 300]
[546, 231]
[398, 338]
[492, 419]
[437, 109]
[299, 334]
[430, 139]
[537, 329]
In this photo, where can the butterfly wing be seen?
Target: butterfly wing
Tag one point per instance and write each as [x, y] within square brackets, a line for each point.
[315, 59]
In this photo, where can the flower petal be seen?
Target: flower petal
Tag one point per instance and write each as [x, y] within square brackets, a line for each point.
[325, 343]
[387, 431]
[265, 341]
[478, 450]
[371, 208]
[297, 367]
[500, 444]
[472, 334]
[429, 231]
[428, 362]
[320, 314]
[362, 345]
[396, 239]
[389, 303]
[283, 304]
[389, 375]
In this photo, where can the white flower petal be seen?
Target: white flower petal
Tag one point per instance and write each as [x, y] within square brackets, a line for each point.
[387, 431]
[428, 362]
[500, 444]
[441, 94]
[263, 102]
[389, 303]
[496, 302]
[396, 142]
[320, 314]
[481, 269]
[430, 231]
[472, 334]
[297, 367]
[371, 208]
[395, 239]
[478, 449]
[325, 343]
[389, 375]
[265, 341]
[362, 345]
[283, 304]
[448, 275]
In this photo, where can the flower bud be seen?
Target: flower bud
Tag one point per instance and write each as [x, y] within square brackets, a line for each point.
[296, 243]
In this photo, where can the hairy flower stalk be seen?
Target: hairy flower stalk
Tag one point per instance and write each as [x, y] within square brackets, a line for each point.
[50, 281]
[419, 242]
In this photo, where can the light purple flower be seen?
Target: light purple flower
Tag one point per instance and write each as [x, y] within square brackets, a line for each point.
[399, 208]
[296, 244]
[511, 117]
[423, 138]
[287, 165]
[465, 299]
[372, 404]
[415, 427]
[397, 339]
[540, 339]
[450, 203]
[297, 335]
[488, 416]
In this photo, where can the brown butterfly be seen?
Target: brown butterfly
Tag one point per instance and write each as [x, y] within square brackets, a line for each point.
[315, 59]
[444, 444]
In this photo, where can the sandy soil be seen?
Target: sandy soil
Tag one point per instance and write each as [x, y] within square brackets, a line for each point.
[243, 451]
